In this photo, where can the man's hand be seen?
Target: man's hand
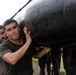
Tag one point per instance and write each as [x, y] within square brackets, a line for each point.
[46, 49]
[27, 34]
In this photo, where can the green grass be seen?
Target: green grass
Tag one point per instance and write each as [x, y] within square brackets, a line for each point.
[62, 71]
[35, 61]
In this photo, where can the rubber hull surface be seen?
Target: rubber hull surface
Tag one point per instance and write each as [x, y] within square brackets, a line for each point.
[51, 22]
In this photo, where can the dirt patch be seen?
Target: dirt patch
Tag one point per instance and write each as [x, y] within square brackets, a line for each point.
[36, 69]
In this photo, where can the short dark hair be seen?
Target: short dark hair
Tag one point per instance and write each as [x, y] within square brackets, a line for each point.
[8, 21]
[1, 27]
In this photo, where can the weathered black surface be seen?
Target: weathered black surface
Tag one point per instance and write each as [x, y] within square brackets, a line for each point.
[51, 22]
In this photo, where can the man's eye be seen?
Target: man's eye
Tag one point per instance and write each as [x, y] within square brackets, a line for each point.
[2, 33]
[9, 30]
[14, 27]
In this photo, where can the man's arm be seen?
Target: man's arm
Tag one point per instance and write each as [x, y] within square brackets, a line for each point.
[42, 52]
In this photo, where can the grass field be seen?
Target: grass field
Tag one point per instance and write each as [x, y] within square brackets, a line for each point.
[62, 71]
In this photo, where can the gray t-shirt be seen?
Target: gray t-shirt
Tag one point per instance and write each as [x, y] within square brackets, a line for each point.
[24, 65]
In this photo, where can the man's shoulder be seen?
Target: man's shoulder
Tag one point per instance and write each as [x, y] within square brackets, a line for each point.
[4, 43]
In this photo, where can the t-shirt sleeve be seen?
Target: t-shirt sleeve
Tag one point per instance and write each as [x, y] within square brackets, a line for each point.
[4, 49]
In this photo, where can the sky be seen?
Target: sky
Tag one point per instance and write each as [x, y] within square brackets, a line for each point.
[9, 7]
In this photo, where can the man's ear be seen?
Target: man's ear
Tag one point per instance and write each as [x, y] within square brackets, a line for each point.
[19, 29]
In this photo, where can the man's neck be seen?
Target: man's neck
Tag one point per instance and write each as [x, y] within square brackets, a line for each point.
[17, 42]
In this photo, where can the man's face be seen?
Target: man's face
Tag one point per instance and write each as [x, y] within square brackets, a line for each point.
[12, 31]
[3, 36]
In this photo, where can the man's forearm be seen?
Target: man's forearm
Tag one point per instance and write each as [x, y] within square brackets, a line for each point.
[12, 58]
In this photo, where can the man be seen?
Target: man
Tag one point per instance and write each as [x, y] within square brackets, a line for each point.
[51, 57]
[45, 60]
[17, 51]
[69, 60]
[56, 58]
[41, 63]
[3, 36]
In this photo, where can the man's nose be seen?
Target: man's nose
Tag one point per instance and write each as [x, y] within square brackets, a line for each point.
[12, 30]
[1, 36]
